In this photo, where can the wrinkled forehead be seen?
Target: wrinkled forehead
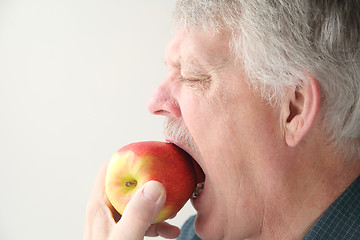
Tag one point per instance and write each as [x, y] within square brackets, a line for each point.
[198, 47]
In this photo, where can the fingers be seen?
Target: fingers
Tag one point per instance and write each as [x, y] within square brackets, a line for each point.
[142, 209]
[98, 221]
[99, 189]
[98, 193]
[163, 229]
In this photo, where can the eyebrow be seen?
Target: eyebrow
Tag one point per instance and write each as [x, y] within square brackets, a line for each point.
[193, 67]
[196, 68]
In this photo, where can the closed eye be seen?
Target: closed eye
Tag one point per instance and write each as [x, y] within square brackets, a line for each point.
[194, 82]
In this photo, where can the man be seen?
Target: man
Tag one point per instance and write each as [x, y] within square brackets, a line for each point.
[265, 96]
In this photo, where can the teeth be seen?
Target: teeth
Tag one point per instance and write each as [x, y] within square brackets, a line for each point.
[198, 190]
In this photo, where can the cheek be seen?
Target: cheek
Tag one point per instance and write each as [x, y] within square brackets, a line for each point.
[230, 137]
[217, 136]
[197, 114]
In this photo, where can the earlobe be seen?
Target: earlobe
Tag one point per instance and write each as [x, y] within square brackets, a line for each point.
[299, 111]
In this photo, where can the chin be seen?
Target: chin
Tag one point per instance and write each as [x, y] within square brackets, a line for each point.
[208, 228]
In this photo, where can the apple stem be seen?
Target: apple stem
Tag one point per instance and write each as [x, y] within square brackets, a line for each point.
[131, 183]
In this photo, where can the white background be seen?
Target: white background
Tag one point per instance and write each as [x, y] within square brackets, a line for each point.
[75, 78]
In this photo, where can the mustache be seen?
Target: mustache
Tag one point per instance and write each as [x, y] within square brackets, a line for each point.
[177, 130]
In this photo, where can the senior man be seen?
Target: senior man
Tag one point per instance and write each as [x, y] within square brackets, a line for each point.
[265, 95]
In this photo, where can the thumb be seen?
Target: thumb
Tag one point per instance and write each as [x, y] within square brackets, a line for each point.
[139, 213]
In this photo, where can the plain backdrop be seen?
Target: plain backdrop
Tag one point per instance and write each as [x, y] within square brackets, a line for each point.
[75, 78]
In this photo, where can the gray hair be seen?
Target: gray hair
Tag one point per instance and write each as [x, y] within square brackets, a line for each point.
[282, 42]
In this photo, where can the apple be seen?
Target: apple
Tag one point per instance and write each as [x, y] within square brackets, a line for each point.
[137, 163]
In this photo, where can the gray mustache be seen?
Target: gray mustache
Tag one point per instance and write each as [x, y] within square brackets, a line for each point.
[177, 130]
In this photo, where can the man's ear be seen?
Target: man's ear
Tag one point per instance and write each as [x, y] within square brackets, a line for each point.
[299, 110]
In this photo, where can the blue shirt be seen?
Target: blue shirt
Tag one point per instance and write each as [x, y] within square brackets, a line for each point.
[341, 221]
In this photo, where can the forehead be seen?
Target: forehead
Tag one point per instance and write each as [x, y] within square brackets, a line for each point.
[198, 48]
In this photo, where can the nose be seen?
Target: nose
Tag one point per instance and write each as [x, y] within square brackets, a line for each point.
[163, 101]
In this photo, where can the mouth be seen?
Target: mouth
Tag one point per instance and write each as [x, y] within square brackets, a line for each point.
[198, 170]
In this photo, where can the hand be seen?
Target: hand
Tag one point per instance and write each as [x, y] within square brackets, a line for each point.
[103, 222]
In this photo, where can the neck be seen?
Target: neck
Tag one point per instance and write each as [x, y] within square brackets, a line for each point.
[309, 185]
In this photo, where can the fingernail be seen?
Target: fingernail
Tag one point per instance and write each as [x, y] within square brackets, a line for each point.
[152, 191]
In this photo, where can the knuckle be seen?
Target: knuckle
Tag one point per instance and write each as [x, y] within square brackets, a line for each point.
[96, 209]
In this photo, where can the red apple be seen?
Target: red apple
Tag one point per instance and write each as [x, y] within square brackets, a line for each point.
[135, 164]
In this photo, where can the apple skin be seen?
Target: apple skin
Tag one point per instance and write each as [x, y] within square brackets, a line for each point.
[137, 163]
